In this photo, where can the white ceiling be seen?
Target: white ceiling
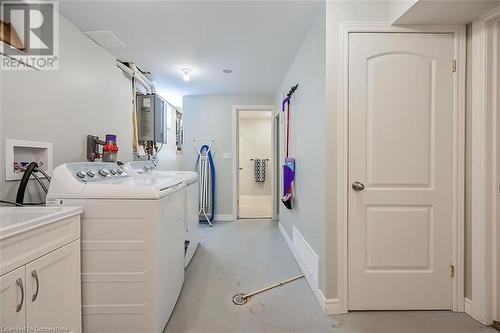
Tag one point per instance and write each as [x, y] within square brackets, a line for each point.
[446, 12]
[258, 40]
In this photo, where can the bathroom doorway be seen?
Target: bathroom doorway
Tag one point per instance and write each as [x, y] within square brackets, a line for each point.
[255, 168]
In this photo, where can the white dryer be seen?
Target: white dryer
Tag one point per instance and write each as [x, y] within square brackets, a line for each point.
[191, 217]
[132, 244]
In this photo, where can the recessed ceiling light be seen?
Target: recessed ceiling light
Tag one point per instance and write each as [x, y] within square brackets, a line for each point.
[186, 74]
[227, 71]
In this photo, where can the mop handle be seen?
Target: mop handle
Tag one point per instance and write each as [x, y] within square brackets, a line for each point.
[279, 284]
[287, 127]
[287, 102]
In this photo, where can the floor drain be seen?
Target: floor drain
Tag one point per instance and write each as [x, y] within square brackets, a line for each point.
[240, 299]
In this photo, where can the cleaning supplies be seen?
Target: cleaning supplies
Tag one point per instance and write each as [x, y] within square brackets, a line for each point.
[289, 166]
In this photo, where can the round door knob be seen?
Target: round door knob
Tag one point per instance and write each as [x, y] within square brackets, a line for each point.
[358, 186]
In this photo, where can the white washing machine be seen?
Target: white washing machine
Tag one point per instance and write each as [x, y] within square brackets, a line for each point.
[132, 244]
[190, 178]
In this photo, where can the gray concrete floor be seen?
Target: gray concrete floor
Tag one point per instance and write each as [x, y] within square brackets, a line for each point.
[241, 256]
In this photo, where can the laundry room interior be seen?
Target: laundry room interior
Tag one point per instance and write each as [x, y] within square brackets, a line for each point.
[250, 166]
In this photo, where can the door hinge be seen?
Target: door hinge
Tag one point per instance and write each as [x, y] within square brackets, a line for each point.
[452, 271]
[453, 66]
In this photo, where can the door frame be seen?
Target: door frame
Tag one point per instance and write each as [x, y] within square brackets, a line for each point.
[342, 127]
[485, 303]
[235, 154]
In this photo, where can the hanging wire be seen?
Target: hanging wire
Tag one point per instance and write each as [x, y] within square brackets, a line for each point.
[155, 159]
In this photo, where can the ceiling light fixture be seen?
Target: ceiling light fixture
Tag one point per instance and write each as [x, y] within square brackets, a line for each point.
[186, 74]
[227, 71]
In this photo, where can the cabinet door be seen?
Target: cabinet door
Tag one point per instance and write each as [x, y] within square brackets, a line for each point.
[13, 300]
[53, 293]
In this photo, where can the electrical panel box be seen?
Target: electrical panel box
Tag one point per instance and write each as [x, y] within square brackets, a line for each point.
[151, 118]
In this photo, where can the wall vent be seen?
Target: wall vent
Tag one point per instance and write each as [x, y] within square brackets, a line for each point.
[308, 257]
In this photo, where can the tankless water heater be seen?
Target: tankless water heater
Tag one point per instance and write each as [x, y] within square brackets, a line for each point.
[151, 118]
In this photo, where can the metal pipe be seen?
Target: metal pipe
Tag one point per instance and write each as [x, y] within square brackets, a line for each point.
[143, 77]
[135, 73]
[124, 68]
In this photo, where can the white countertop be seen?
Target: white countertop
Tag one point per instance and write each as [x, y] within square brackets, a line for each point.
[16, 220]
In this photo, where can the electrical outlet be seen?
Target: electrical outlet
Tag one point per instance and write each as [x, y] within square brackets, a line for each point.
[227, 156]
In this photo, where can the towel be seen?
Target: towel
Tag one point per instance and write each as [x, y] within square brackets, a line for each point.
[259, 166]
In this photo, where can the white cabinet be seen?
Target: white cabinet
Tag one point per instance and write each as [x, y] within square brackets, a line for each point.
[53, 289]
[44, 293]
[12, 299]
[40, 283]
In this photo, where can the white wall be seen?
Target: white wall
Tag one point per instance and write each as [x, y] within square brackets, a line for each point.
[313, 141]
[337, 12]
[168, 156]
[87, 95]
[255, 142]
[307, 141]
[207, 118]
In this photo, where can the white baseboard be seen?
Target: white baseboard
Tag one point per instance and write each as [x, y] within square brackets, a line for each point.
[468, 306]
[332, 306]
[329, 306]
[224, 217]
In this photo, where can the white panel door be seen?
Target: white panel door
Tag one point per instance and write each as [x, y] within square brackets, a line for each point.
[53, 291]
[13, 301]
[400, 147]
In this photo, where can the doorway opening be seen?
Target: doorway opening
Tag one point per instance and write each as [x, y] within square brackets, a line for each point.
[254, 143]
[254, 169]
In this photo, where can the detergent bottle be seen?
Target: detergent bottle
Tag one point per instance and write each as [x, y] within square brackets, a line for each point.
[110, 149]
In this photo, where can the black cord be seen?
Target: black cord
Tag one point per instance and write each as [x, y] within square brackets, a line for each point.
[24, 182]
[30, 169]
